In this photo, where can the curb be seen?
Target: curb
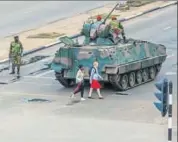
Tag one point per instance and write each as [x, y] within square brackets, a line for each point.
[78, 35]
[147, 11]
[48, 45]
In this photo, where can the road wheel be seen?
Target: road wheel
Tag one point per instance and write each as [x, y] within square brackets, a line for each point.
[145, 75]
[152, 72]
[158, 68]
[65, 82]
[138, 77]
[132, 79]
[124, 82]
[114, 80]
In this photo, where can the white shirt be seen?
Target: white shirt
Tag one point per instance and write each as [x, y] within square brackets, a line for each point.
[79, 76]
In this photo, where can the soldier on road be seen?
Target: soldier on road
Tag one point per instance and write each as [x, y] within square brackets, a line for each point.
[15, 54]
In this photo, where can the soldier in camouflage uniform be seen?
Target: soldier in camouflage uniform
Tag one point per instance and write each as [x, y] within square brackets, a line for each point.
[116, 28]
[15, 54]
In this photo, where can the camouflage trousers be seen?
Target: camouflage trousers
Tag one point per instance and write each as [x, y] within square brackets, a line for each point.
[16, 62]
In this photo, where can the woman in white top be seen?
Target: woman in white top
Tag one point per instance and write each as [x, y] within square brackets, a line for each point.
[80, 83]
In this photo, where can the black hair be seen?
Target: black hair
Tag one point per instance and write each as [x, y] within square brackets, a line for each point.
[80, 66]
[16, 36]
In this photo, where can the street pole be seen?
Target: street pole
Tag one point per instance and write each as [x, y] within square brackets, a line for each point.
[170, 113]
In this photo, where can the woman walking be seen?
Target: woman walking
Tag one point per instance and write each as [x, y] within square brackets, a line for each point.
[94, 84]
[80, 83]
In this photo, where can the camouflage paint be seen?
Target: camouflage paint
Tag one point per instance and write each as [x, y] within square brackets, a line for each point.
[117, 55]
[121, 56]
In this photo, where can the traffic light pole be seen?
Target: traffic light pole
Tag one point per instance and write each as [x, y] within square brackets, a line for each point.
[170, 113]
[164, 95]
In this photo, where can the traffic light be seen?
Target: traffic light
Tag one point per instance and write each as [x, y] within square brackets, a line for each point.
[162, 96]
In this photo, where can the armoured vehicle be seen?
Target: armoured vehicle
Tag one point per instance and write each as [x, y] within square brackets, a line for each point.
[123, 64]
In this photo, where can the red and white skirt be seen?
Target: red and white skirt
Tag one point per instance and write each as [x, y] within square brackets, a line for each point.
[95, 84]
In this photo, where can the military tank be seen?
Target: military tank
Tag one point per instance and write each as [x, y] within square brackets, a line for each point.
[123, 64]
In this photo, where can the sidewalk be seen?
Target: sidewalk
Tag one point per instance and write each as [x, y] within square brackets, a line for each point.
[69, 26]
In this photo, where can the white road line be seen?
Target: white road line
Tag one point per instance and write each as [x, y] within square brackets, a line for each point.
[169, 56]
[34, 77]
[171, 73]
[166, 28]
[47, 59]
[42, 74]
[36, 83]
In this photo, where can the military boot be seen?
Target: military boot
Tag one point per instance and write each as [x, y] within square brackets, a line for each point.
[13, 71]
[18, 71]
[124, 38]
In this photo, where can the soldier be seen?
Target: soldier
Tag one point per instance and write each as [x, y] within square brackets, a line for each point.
[116, 28]
[15, 54]
[94, 28]
[99, 18]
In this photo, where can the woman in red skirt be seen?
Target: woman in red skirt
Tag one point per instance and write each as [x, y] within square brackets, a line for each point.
[94, 83]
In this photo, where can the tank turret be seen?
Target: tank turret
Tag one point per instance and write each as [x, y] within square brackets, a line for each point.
[98, 32]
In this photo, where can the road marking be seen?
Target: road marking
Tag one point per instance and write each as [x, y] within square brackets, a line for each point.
[39, 77]
[169, 56]
[36, 83]
[166, 28]
[42, 74]
[50, 58]
[171, 73]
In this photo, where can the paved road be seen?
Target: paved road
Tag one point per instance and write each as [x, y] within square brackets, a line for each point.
[116, 118]
[18, 16]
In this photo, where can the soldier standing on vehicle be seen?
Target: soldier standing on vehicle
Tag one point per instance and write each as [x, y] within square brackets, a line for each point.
[99, 18]
[116, 28]
[15, 54]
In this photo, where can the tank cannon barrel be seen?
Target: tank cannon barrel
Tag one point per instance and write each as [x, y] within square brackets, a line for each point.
[110, 13]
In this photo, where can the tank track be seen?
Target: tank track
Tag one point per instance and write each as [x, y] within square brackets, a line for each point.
[116, 79]
[65, 82]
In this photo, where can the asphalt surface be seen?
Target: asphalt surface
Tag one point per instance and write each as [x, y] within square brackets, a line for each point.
[17, 16]
[126, 118]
